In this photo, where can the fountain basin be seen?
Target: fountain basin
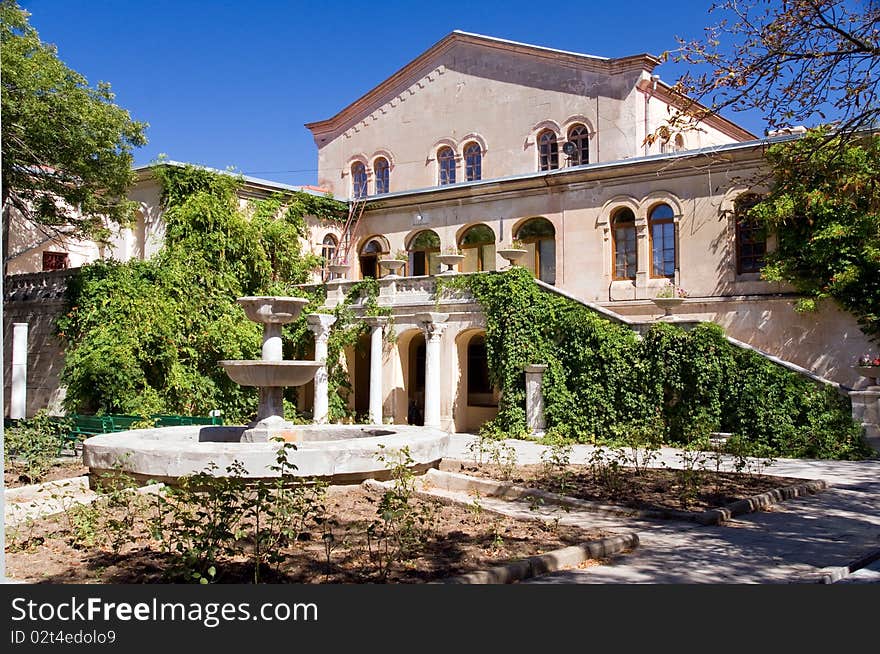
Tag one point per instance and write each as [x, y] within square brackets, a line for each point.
[266, 309]
[271, 373]
[340, 454]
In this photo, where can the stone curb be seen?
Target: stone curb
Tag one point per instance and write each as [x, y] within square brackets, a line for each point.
[833, 574]
[533, 566]
[454, 481]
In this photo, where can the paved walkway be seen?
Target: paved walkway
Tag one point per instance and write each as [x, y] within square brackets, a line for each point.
[796, 541]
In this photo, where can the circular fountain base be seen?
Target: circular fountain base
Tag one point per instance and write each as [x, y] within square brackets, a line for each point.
[340, 454]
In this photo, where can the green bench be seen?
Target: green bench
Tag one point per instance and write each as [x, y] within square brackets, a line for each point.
[84, 426]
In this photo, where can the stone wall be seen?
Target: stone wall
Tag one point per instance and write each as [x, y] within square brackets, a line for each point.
[36, 299]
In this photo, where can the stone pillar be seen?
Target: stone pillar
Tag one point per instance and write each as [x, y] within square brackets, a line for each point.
[535, 398]
[376, 338]
[18, 396]
[319, 324]
[866, 412]
[432, 324]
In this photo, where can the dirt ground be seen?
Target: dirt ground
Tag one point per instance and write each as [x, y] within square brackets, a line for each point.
[655, 488]
[463, 539]
[14, 477]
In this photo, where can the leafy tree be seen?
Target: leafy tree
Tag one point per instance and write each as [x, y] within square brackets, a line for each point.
[67, 147]
[825, 211]
[796, 61]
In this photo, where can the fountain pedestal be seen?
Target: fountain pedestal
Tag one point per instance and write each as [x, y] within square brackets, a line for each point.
[271, 374]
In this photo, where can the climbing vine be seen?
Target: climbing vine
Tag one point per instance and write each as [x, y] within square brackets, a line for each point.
[602, 379]
[146, 336]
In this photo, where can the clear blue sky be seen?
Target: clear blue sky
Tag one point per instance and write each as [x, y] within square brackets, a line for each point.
[232, 83]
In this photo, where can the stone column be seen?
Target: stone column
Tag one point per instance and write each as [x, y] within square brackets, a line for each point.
[866, 412]
[376, 338]
[432, 324]
[18, 396]
[319, 324]
[535, 398]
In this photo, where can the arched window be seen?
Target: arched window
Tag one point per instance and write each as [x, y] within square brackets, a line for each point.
[479, 386]
[446, 162]
[581, 139]
[358, 180]
[679, 143]
[381, 170]
[478, 247]
[369, 257]
[539, 239]
[473, 162]
[623, 231]
[424, 249]
[548, 151]
[751, 239]
[662, 226]
[328, 251]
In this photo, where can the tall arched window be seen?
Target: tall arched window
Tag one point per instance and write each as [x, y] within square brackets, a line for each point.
[548, 150]
[581, 139]
[679, 143]
[446, 162]
[369, 257]
[478, 247]
[328, 251]
[381, 170]
[751, 239]
[539, 239]
[424, 249]
[623, 231]
[661, 221]
[473, 162]
[358, 180]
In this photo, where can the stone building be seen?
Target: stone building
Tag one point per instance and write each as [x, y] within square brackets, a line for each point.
[481, 141]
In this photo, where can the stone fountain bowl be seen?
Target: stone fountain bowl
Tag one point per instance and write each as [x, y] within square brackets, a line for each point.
[271, 373]
[340, 454]
[271, 309]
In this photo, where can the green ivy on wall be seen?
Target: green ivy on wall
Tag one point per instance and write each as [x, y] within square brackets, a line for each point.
[602, 378]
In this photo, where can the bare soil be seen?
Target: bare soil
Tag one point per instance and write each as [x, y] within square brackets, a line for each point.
[14, 474]
[463, 539]
[654, 488]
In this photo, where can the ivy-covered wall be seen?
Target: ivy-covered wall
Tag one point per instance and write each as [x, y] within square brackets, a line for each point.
[603, 380]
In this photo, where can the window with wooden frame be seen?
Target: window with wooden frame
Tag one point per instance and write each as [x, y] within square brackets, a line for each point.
[581, 139]
[661, 223]
[328, 251]
[624, 244]
[424, 250]
[478, 247]
[446, 166]
[55, 261]
[751, 237]
[381, 171]
[473, 162]
[358, 180]
[369, 257]
[548, 151]
[539, 240]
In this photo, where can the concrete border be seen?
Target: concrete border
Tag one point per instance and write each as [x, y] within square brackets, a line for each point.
[834, 573]
[453, 481]
[534, 566]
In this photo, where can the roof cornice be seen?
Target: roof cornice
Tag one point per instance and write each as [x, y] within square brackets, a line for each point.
[418, 66]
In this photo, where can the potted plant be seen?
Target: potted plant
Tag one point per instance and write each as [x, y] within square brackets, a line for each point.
[514, 252]
[669, 297]
[451, 256]
[868, 365]
[395, 263]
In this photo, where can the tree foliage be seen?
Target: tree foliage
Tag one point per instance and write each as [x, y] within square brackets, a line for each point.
[145, 336]
[795, 61]
[603, 380]
[824, 208]
[67, 148]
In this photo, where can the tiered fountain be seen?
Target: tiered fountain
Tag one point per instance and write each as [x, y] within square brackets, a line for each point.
[338, 453]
